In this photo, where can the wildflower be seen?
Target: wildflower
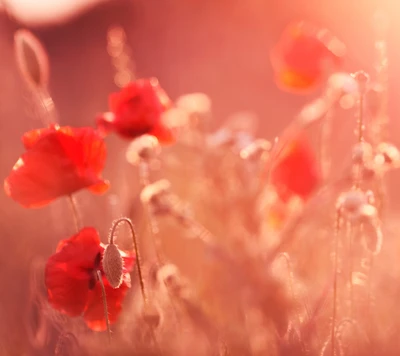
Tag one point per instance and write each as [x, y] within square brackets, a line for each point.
[72, 284]
[296, 172]
[58, 161]
[303, 55]
[137, 110]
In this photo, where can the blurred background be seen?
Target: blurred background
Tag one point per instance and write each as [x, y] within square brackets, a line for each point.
[219, 47]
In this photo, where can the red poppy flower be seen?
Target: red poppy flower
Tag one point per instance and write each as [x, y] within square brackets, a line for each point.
[297, 171]
[303, 55]
[72, 284]
[136, 110]
[59, 161]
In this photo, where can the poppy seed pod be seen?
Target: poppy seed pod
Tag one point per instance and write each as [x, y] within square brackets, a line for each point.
[113, 265]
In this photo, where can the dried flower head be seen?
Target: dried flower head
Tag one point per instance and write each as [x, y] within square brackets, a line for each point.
[355, 206]
[342, 82]
[155, 191]
[255, 150]
[387, 155]
[143, 148]
[362, 152]
[168, 275]
[113, 265]
[362, 78]
[195, 104]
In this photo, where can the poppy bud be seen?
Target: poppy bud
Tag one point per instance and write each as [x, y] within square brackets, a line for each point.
[31, 59]
[113, 265]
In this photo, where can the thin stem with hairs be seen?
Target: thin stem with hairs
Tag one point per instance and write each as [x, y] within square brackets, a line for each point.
[335, 280]
[75, 213]
[103, 294]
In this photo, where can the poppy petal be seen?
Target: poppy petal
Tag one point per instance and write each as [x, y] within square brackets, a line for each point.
[163, 134]
[100, 188]
[292, 81]
[304, 55]
[58, 162]
[105, 123]
[129, 261]
[67, 272]
[297, 170]
[137, 110]
[94, 312]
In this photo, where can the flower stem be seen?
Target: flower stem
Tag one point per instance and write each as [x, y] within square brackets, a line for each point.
[137, 252]
[144, 176]
[350, 239]
[119, 52]
[75, 213]
[335, 280]
[103, 294]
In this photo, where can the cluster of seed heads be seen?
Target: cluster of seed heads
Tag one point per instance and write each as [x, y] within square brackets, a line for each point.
[375, 161]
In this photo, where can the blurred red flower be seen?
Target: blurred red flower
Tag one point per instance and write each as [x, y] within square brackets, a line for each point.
[72, 283]
[136, 110]
[304, 55]
[296, 171]
[59, 161]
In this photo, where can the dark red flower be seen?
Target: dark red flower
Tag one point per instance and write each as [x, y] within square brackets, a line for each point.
[302, 57]
[72, 284]
[59, 161]
[297, 170]
[136, 110]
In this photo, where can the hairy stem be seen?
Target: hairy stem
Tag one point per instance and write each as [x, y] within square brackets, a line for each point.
[335, 281]
[103, 294]
[75, 213]
[350, 240]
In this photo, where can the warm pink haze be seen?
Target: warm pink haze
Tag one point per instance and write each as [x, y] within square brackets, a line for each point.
[199, 177]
